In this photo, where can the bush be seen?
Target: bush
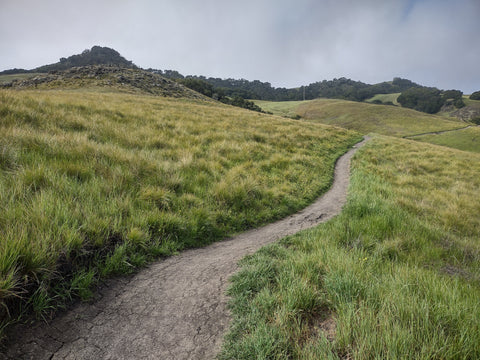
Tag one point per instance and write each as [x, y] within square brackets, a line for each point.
[476, 120]
[427, 100]
[475, 95]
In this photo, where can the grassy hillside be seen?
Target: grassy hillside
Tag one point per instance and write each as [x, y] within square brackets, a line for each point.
[367, 118]
[12, 77]
[362, 117]
[385, 98]
[394, 276]
[281, 108]
[98, 183]
[467, 139]
[103, 78]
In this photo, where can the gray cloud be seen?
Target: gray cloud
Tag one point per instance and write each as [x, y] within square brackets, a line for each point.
[288, 43]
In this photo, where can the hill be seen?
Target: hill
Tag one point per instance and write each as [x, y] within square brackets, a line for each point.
[467, 139]
[97, 55]
[365, 118]
[108, 78]
[95, 183]
[341, 88]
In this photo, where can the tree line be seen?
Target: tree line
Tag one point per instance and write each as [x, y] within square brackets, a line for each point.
[430, 100]
[238, 91]
[341, 88]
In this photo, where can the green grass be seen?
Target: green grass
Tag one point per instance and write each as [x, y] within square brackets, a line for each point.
[467, 139]
[370, 118]
[8, 78]
[280, 108]
[385, 98]
[94, 184]
[362, 117]
[394, 276]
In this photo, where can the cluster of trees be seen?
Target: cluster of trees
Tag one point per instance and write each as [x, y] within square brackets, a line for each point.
[97, 55]
[430, 100]
[475, 95]
[207, 89]
[342, 88]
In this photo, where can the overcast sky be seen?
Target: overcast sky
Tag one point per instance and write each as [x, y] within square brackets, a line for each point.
[285, 42]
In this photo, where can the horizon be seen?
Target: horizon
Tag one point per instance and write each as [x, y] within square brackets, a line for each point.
[288, 45]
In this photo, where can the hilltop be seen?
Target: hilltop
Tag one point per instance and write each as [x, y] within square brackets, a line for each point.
[132, 80]
[97, 55]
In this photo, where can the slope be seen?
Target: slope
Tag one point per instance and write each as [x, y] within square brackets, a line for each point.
[394, 276]
[366, 118]
[95, 183]
[106, 78]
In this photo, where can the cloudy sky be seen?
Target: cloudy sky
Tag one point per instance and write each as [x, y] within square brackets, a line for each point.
[285, 42]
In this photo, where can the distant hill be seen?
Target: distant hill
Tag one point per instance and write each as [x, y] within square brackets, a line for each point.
[97, 55]
[237, 91]
[341, 88]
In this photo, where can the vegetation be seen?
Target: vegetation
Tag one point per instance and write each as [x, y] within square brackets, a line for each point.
[475, 96]
[8, 78]
[207, 89]
[363, 117]
[94, 184]
[467, 139]
[430, 100]
[97, 55]
[394, 276]
[281, 108]
[337, 88]
[385, 99]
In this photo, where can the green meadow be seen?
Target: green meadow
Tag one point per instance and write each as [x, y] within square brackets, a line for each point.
[97, 183]
[363, 117]
[394, 276]
[385, 98]
[11, 77]
[465, 139]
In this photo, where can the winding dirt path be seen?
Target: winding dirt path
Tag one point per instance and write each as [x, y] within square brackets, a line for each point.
[174, 309]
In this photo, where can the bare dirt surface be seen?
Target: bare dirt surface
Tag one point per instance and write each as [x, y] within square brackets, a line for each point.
[175, 308]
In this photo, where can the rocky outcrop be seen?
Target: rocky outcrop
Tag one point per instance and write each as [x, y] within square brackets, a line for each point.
[467, 113]
[118, 78]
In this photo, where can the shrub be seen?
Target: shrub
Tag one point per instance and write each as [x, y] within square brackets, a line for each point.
[475, 95]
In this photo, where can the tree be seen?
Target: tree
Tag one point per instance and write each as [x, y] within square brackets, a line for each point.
[475, 95]
[423, 99]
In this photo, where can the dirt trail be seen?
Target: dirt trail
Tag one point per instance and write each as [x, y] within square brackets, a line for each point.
[174, 309]
[438, 132]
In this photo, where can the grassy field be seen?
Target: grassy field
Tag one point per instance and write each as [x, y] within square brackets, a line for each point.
[385, 98]
[467, 139]
[94, 184]
[395, 276]
[367, 118]
[362, 117]
[281, 108]
[8, 78]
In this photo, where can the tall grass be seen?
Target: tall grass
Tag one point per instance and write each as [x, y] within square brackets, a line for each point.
[395, 276]
[94, 184]
[363, 117]
[467, 139]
